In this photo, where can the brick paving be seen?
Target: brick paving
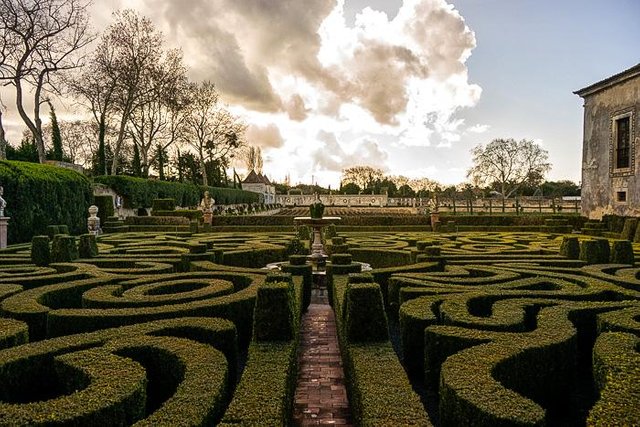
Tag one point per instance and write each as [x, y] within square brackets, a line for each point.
[321, 397]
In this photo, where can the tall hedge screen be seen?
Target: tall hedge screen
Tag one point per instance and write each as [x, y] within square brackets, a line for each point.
[140, 193]
[40, 195]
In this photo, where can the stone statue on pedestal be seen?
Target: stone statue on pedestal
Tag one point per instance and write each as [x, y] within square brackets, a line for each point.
[3, 202]
[206, 206]
[93, 222]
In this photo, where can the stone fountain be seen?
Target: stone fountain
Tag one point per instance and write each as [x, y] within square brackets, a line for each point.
[317, 222]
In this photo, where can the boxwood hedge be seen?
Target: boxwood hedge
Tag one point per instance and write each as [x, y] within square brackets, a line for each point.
[39, 195]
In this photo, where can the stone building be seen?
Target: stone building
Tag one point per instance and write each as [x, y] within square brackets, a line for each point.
[258, 183]
[610, 153]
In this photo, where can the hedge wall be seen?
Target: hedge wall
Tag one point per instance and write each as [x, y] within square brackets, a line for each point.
[140, 193]
[39, 195]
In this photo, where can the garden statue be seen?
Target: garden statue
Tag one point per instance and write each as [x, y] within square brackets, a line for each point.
[93, 222]
[3, 202]
[206, 206]
[316, 209]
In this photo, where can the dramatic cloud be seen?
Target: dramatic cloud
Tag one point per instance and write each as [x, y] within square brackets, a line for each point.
[298, 68]
[264, 137]
[333, 157]
[296, 109]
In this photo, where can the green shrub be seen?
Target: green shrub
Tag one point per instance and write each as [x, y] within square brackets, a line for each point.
[191, 214]
[622, 252]
[616, 375]
[163, 205]
[273, 318]
[171, 372]
[636, 238]
[421, 245]
[360, 278]
[365, 318]
[52, 230]
[13, 333]
[330, 232]
[306, 271]
[140, 193]
[591, 252]
[629, 229]
[296, 247]
[156, 220]
[105, 207]
[337, 240]
[63, 229]
[297, 259]
[380, 393]
[605, 249]
[341, 259]
[570, 247]
[40, 251]
[88, 247]
[38, 195]
[64, 249]
[303, 232]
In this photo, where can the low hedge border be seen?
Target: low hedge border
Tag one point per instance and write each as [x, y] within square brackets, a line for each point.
[13, 333]
[616, 374]
[60, 318]
[264, 396]
[378, 387]
[184, 359]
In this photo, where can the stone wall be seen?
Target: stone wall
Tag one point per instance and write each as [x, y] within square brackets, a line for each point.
[600, 182]
[349, 200]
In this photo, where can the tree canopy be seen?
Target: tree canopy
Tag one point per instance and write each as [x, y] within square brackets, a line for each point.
[509, 164]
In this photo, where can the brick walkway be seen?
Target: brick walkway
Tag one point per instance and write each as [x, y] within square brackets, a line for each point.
[321, 397]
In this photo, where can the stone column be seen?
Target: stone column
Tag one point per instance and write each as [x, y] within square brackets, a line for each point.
[4, 221]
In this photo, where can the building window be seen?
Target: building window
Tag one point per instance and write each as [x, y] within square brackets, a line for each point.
[623, 142]
[621, 196]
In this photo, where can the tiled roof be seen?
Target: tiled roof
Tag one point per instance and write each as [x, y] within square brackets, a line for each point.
[609, 81]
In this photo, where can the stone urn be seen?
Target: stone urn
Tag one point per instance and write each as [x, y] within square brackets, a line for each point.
[316, 209]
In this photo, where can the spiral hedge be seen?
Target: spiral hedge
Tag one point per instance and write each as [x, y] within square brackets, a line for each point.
[446, 329]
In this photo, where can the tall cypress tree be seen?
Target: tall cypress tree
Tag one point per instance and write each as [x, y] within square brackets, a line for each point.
[56, 137]
[161, 160]
[135, 163]
[102, 153]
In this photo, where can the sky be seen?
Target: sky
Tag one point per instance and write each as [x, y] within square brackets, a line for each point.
[408, 86]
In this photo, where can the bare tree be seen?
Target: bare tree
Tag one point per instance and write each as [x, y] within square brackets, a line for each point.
[158, 116]
[129, 68]
[79, 142]
[210, 129]
[41, 38]
[363, 176]
[95, 88]
[509, 164]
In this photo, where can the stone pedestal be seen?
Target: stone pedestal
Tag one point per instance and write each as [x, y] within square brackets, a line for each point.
[207, 217]
[435, 220]
[4, 221]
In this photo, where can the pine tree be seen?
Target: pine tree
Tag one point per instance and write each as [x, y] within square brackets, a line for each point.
[56, 137]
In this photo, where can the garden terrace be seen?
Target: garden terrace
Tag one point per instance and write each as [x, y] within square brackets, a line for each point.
[447, 329]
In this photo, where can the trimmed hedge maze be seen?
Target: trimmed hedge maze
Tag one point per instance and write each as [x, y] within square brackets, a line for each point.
[446, 329]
